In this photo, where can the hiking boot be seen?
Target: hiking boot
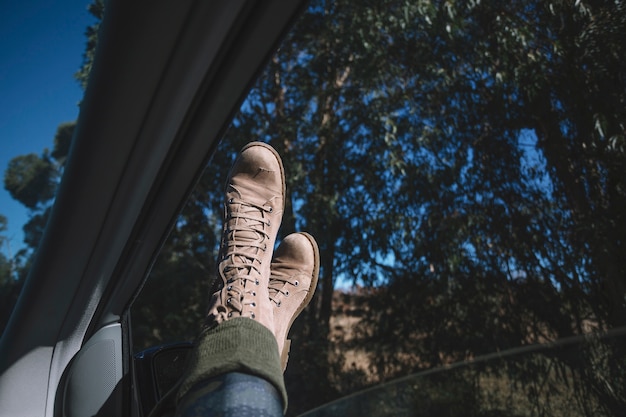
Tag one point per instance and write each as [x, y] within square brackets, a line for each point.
[293, 280]
[254, 204]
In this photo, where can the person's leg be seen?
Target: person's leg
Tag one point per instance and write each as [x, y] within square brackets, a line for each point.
[213, 378]
[250, 316]
[232, 394]
[238, 335]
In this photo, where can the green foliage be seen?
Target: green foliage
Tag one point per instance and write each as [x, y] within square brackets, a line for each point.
[30, 179]
[62, 142]
[5, 263]
[33, 180]
[3, 228]
[462, 155]
[96, 9]
[10, 285]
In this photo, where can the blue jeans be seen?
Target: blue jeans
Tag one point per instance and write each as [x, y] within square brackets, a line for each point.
[232, 394]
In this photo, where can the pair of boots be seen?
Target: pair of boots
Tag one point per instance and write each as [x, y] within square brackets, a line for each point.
[271, 288]
[262, 291]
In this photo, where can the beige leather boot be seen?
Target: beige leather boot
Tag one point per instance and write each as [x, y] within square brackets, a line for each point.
[254, 204]
[293, 280]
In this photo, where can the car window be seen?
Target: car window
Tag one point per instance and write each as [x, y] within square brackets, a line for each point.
[461, 166]
[527, 380]
[173, 301]
[41, 82]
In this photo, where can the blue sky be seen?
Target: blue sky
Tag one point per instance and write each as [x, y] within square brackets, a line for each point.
[41, 47]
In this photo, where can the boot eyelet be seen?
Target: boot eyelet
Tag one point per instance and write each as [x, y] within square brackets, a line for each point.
[286, 293]
[256, 282]
[252, 315]
[271, 209]
[230, 287]
[296, 283]
[278, 304]
[228, 301]
[253, 305]
[231, 200]
[254, 293]
[230, 314]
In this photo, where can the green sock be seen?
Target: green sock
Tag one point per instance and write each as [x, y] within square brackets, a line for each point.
[237, 345]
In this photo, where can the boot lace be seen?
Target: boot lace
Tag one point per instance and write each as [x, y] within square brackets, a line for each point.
[279, 287]
[246, 236]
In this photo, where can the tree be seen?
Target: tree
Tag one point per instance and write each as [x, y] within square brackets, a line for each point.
[5, 263]
[10, 281]
[33, 180]
[467, 156]
[96, 9]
